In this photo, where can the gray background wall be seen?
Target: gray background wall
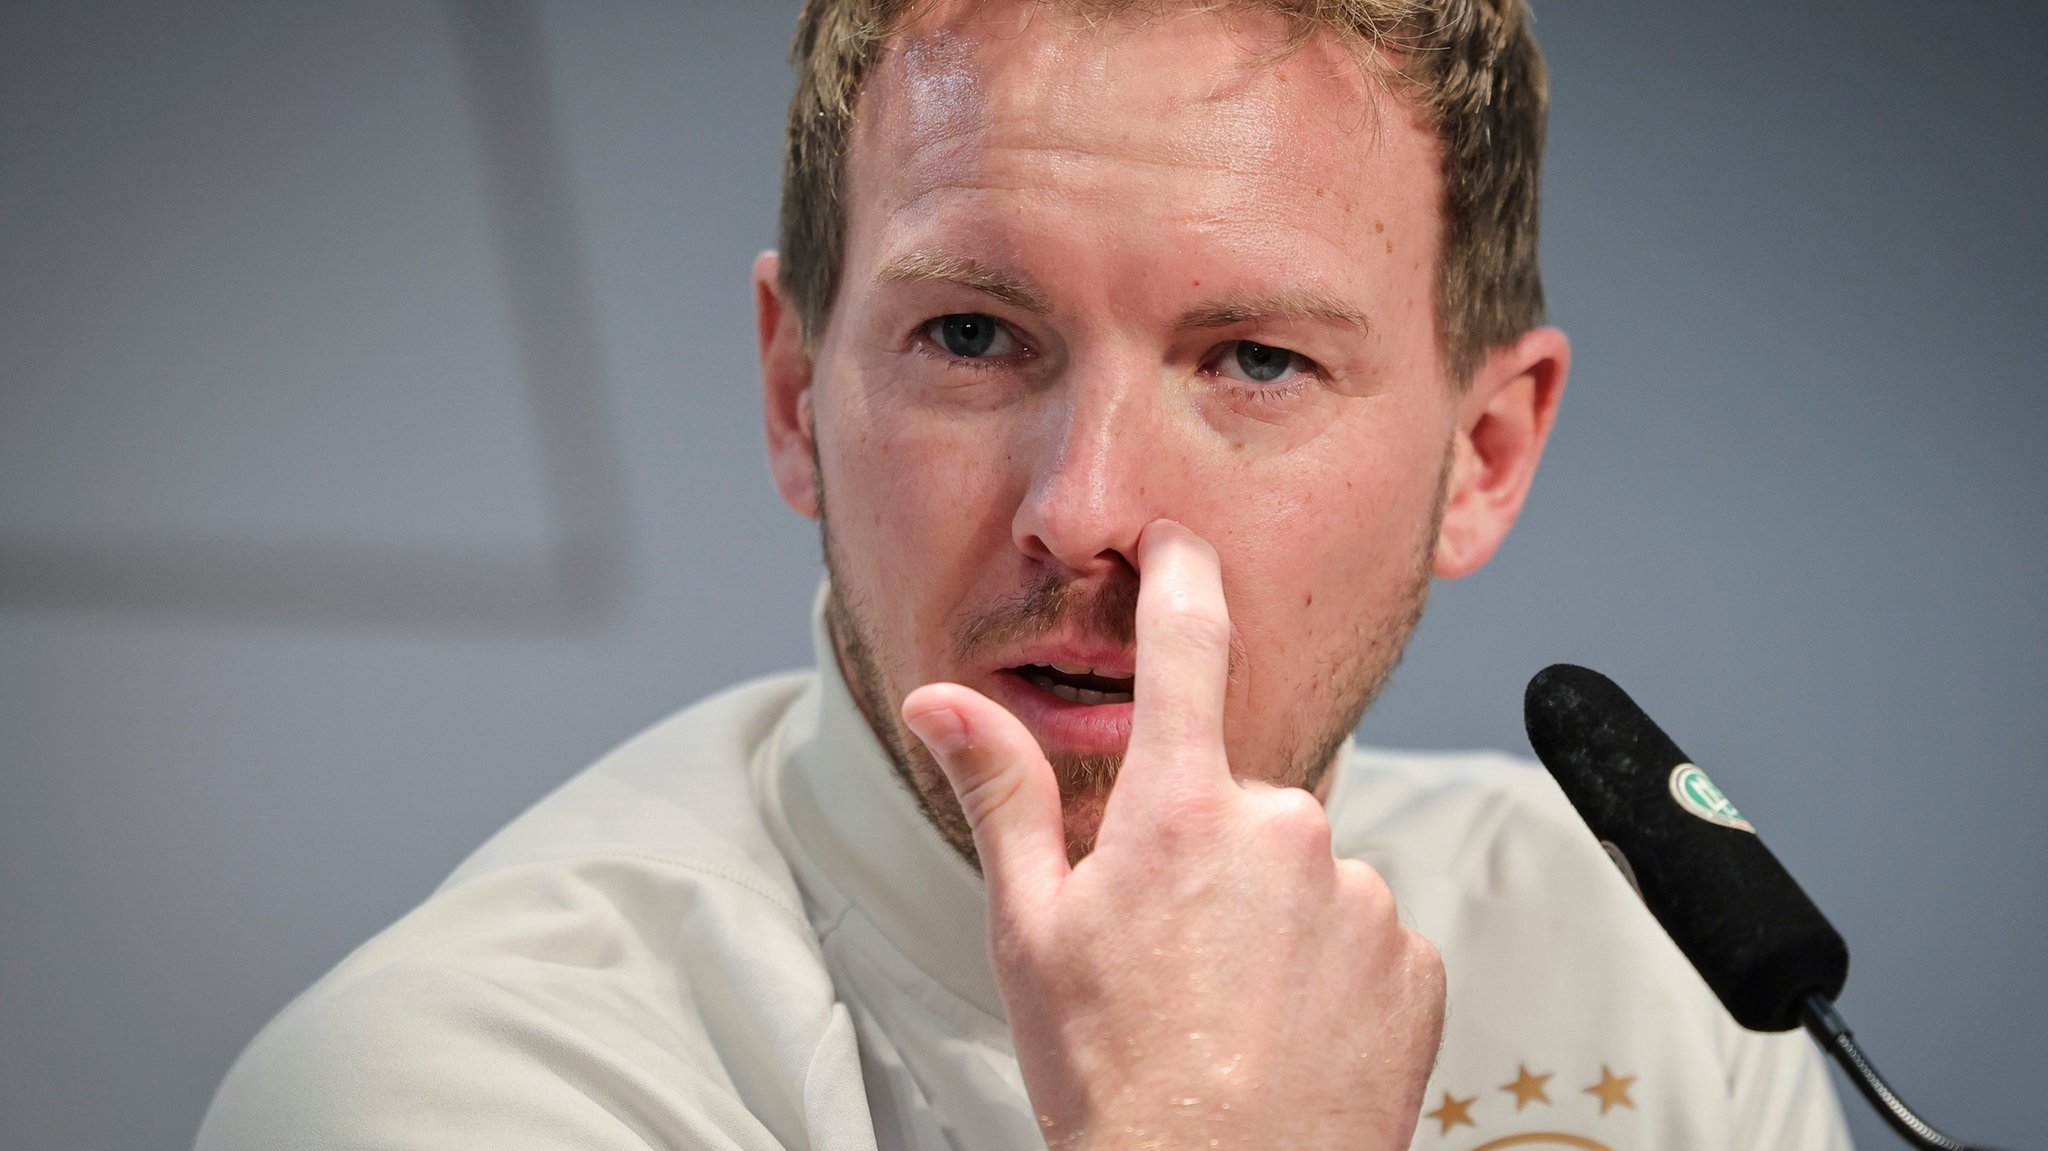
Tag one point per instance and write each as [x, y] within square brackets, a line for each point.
[378, 445]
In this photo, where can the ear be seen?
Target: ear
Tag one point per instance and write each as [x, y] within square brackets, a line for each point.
[786, 390]
[1504, 417]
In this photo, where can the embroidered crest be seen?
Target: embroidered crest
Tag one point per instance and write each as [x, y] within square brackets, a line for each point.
[1698, 795]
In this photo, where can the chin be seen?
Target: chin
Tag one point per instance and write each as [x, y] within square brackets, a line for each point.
[1083, 816]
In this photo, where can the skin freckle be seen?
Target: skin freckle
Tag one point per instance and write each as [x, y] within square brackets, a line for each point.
[951, 493]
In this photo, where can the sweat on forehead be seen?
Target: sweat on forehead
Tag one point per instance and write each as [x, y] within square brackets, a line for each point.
[1471, 68]
[937, 41]
[956, 82]
[1373, 21]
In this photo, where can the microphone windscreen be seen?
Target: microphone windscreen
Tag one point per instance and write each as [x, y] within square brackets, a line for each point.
[1731, 907]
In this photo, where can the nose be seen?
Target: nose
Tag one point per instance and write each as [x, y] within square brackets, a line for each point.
[1095, 481]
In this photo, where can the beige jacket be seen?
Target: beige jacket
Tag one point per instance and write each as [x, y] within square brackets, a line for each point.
[737, 931]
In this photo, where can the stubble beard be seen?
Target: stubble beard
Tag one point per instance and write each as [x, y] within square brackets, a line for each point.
[1360, 672]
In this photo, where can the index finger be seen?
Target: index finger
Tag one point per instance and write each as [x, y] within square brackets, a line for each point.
[1183, 659]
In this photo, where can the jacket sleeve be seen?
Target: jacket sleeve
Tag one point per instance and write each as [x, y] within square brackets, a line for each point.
[598, 1004]
[431, 1059]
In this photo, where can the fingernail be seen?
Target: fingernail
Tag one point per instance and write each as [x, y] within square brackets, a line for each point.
[940, 728]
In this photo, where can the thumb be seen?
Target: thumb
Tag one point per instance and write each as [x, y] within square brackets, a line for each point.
[1005, 787]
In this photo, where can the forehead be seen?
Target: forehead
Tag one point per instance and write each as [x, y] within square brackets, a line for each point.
[1028, 97]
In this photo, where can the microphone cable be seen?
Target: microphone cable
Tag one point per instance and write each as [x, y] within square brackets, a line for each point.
[1762, 946]
[1825, 1024]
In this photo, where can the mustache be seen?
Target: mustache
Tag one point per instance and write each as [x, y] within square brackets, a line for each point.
[1108, 609]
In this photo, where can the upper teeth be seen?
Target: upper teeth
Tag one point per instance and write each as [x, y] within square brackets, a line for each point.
[1072, 693]
[1079, 694]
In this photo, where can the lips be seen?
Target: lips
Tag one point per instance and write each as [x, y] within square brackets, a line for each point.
[1073, 693]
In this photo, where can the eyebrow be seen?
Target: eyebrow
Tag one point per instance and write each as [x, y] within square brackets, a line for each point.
[1292, 305]
[1012, 288]
[1004, 285]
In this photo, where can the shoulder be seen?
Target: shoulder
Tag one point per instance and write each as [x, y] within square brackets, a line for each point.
[1496, 823]
[681, 791]
[1555, 965]
[629, 955]
[1482, 849]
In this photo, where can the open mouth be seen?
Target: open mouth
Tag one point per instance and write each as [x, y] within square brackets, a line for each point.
[1076, 684]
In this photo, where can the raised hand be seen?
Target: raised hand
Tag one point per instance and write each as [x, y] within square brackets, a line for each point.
[1210, 975]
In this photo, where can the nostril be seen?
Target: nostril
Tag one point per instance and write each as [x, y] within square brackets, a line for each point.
[1036, 547]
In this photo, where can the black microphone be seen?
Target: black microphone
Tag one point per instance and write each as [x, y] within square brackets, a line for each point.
[1762, 946]
[1727, 902]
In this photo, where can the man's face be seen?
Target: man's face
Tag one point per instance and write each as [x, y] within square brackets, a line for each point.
[1096, 276]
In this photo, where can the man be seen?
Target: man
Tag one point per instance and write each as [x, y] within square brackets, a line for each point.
[1142, 363]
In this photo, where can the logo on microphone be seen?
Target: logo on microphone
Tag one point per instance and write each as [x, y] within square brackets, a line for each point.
[1698, 795]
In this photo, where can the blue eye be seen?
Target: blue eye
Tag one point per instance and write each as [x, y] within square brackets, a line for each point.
[1259, 363]
[971, 335]
[1262, 363]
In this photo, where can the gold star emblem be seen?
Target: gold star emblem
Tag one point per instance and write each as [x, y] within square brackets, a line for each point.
[1453, 1112]
[1527, 1088]
[1612, 1091]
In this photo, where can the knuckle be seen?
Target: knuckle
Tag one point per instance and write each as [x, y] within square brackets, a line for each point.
[1296, 808]
[1011, 944]
[1170, 737]
[982, 789]
[1184, 738]
[1426, 974]
[1192, 625]
[1190, 808]
[1295, 818]
[1425, 960]
[1367, 889]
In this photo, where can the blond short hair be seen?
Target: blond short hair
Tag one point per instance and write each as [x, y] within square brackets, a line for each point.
[1472, 65]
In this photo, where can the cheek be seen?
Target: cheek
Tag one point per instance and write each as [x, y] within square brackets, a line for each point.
[915, 507]
[1323, 551]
